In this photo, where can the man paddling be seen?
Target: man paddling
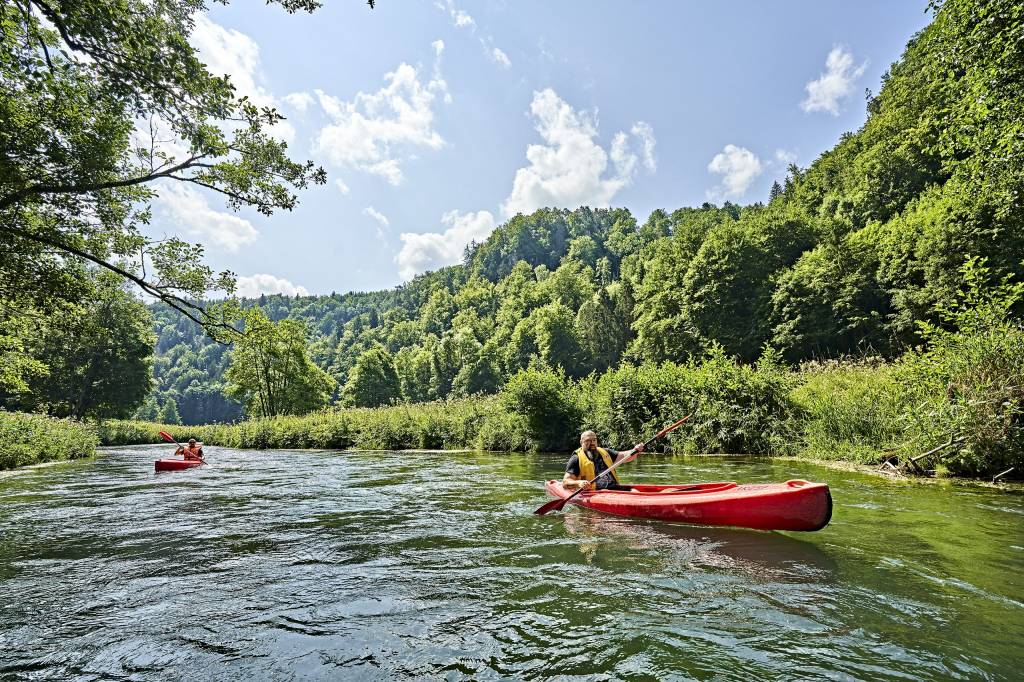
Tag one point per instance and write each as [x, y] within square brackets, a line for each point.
[194, 451]
[591, 459]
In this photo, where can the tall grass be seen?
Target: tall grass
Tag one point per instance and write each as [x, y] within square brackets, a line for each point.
[32, 439]
[849, 411]
[443, 425]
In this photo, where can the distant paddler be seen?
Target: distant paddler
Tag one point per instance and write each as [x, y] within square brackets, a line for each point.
[591, 459]
[194, 451]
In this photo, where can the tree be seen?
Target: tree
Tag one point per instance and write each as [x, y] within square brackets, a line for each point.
[17, 366]
[374, 381]
[728, 286]
[481, 375]
[270, 369]
[830, 303]
[558, 342]
[149, 412]
[97, 353]
[775, 192]
[101, 100]
[169, 412]
[602, 333]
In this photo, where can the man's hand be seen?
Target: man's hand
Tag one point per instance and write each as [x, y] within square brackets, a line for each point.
[637, 449]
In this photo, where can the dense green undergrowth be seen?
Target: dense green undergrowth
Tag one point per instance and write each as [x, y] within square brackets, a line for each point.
[966, 390]
[962, 397]
[31, 439]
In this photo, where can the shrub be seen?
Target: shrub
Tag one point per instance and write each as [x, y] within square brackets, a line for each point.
[736, 408]
[547, 405]
[969, 385]
[33, 438]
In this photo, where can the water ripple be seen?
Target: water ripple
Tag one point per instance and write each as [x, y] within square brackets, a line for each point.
[289, 565]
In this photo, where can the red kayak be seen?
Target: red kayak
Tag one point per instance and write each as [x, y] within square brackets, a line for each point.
[793, 505]
[176, 464]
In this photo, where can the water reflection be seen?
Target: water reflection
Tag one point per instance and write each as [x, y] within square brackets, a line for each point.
[758, 555]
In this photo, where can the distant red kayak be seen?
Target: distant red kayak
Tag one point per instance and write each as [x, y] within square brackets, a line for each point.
[175, 464]
[793, 505]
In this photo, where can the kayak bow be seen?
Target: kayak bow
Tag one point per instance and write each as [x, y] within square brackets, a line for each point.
[793, 505]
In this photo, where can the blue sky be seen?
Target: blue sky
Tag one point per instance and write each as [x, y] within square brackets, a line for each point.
[438, 120]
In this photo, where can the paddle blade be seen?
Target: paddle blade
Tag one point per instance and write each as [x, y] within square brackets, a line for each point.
[167, 437]
[553, 505]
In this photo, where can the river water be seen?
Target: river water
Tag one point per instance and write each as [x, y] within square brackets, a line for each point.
[320, 565]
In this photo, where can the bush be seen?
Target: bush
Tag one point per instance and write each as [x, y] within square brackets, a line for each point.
[736, 408]
[968, 387]
[33, 438]
[547, 406]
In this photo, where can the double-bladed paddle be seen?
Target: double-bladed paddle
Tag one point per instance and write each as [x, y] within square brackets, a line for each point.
[170, 439]
[555, 505]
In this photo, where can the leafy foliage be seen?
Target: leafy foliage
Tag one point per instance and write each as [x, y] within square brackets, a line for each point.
[90, 359]
[100, 100]
[33, 438]
[270, 369]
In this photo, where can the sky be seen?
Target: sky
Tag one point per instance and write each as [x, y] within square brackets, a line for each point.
[437, 120]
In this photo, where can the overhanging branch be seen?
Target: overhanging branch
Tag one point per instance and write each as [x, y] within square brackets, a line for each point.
[192, 311]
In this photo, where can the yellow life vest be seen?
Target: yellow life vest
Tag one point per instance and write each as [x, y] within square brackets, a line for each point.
[588, 470]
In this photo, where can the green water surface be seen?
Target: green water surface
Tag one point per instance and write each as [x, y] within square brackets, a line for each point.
[325, 565]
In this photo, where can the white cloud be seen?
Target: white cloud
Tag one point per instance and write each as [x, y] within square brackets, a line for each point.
[380, 218]
[460, 19]
[739, 167]
[500, 58]
[569, 170]
[229, 52]
[342, 187]
[432, 250]
[784, 157]
[370, 132]
[187, 210]
[300, 101]
[646, 134]
[825, 93]
[254, 285]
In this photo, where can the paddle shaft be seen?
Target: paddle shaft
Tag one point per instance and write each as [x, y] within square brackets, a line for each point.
[665, 431]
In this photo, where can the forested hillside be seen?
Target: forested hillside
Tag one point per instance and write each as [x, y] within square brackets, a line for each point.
[848, 256]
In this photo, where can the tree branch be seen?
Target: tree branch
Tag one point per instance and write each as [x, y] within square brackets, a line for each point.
[190, 310]
[25, 192]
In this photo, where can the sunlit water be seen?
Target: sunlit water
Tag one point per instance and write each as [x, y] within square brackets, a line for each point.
[299, 565]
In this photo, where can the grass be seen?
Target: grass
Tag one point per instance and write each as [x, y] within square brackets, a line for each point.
[33, 439]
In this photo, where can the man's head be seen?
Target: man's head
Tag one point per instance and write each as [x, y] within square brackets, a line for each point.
[191, 442]
[588, 440]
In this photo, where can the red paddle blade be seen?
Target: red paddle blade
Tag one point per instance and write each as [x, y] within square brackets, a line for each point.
[553, 505]
[167, 437]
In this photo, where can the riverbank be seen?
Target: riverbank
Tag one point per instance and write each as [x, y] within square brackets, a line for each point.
[34, 439]
[932, 414]
[928, 414]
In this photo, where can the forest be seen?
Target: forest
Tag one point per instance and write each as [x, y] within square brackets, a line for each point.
[898, 255]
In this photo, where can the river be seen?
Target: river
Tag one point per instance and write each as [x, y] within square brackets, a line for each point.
[325, 565]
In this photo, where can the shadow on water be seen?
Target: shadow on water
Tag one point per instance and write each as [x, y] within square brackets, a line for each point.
[757, 554]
